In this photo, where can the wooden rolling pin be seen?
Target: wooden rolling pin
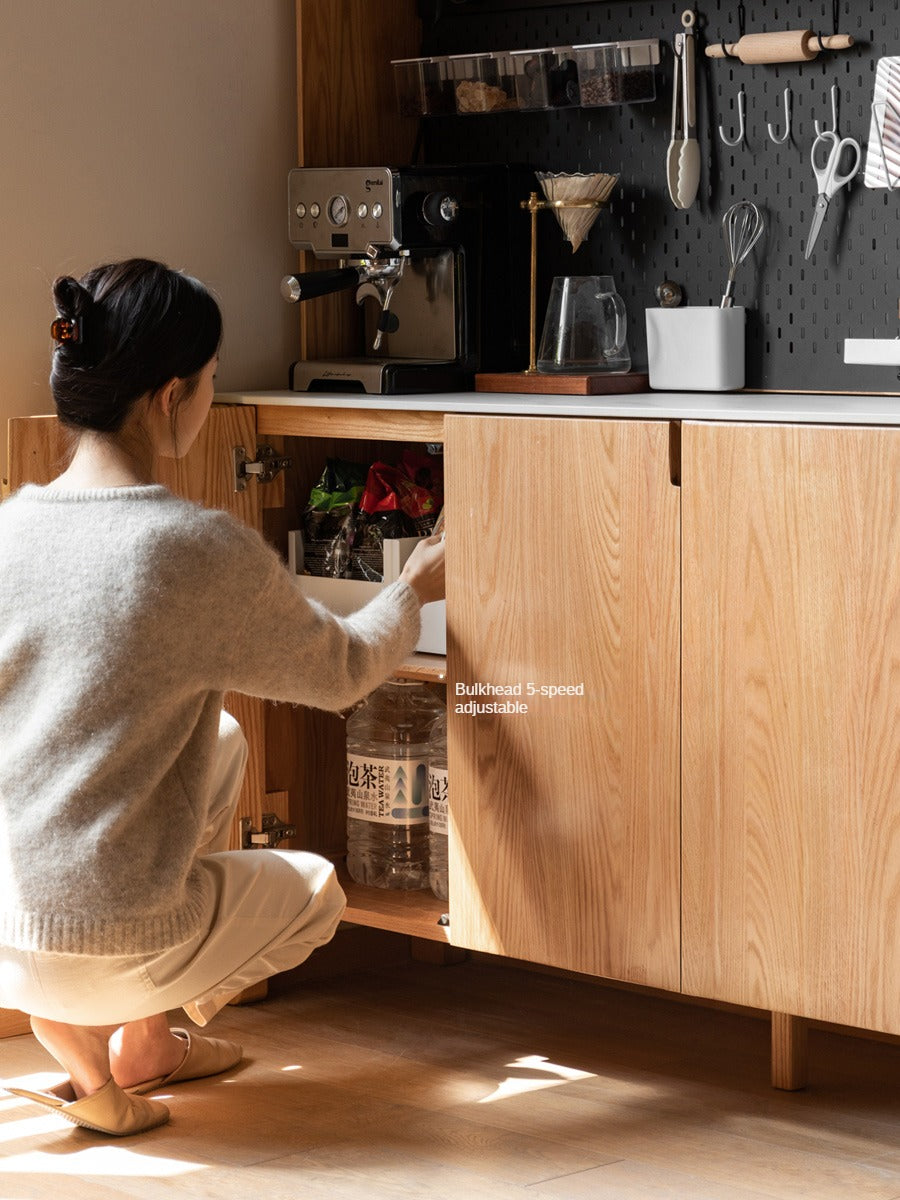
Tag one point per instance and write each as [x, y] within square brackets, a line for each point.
[795, 45]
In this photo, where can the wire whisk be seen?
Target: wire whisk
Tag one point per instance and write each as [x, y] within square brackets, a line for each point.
[742, 227]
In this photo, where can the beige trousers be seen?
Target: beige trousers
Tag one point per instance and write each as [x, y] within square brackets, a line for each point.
[271, 909]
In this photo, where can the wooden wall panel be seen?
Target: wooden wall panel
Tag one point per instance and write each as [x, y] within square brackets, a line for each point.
[39, 449]
[347, 117]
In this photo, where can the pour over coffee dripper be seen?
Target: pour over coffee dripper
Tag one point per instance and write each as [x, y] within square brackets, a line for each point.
[579, 356]
[576, 199]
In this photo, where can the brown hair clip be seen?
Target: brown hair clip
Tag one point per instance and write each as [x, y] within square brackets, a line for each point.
[65, 330]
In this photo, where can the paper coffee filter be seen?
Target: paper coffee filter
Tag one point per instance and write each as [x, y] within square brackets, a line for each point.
[561, 185]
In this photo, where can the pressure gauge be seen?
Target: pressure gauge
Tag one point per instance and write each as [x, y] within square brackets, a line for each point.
[339, 210]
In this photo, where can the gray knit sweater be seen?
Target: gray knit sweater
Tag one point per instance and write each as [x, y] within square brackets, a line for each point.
[125, 613]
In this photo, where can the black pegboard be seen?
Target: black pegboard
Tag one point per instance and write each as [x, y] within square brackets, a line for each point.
[799, 312]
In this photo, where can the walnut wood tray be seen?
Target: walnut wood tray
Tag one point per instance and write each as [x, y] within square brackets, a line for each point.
[563, 385]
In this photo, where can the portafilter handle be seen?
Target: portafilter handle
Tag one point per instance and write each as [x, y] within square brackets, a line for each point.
[310, 284]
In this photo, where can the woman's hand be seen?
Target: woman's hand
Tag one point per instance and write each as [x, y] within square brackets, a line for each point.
[424, 569]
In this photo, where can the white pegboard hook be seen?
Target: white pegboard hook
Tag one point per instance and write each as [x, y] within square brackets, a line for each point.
[835, 94]
[741, 130]
[779, 141]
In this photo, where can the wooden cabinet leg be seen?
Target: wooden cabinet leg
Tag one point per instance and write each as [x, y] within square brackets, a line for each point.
[440, 954]
[790, 1060]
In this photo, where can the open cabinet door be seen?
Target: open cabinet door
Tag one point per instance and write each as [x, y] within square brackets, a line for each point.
[206, 475]
[38, 451]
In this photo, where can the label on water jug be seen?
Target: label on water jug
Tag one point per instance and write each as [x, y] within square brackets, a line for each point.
[392, 791]
[437, 800]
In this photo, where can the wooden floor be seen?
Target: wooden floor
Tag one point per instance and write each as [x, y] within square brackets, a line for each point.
[474, 1081]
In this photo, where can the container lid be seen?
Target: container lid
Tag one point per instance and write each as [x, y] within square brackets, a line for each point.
[617, 45]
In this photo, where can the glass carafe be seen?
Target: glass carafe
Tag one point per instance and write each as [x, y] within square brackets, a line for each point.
[585, 328]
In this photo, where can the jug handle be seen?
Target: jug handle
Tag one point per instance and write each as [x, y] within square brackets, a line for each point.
[619, 311]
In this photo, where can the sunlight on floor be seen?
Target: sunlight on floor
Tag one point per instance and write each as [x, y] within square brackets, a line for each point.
[97, 1160]
[103, 1159]
[517, 1085]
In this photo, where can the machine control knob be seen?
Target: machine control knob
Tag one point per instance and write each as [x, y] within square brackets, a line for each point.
[440, 208]
[290, 289]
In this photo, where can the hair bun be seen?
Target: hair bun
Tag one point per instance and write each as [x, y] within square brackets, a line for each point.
[71, 298]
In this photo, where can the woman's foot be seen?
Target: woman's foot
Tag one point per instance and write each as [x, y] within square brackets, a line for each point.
[142, 1050]
[81, 1050]
[130, 1053]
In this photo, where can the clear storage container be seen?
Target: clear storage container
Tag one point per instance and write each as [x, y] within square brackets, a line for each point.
[562, 78]
[529, 69]
[424, 87]
[616, 72]
[409, 84]
[477, 84]
[440, 88]
[546, 78]
[505, 71]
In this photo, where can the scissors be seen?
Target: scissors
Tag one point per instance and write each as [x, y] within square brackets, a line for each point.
[828, 178]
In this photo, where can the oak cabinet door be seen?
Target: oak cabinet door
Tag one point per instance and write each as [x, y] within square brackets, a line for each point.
[206, 475]
[791, 720]
[562, 571]
[38, 451]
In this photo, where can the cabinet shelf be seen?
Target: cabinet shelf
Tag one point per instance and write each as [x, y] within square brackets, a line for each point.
[414, 913]
[423, 668]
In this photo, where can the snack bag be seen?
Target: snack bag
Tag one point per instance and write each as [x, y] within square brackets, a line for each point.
[397, 502]
[329, 520]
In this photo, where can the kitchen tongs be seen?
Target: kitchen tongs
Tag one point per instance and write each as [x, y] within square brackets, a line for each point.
[683, 158]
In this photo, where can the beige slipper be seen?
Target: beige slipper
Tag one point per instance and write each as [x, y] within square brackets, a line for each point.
[109, 1110]
[204, 1056]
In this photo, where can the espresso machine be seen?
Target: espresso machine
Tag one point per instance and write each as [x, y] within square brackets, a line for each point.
[439, 265]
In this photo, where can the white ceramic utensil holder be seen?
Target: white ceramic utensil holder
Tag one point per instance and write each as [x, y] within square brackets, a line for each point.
[696, 349]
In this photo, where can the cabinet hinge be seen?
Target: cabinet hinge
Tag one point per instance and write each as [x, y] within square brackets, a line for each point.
[273, 831]
[265, 466]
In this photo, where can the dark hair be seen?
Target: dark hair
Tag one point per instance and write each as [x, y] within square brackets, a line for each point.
[139, 325]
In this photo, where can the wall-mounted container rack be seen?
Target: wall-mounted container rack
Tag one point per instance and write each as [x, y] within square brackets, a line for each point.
[593, 75]
[799, 311]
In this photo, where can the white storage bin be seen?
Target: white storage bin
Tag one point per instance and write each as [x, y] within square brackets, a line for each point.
[696, 349]
[345, 596]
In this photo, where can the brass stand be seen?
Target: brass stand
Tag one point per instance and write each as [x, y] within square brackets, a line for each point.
[534, 206]
[556, 383]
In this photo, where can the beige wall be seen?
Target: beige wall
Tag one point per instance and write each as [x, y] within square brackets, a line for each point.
[162, 128]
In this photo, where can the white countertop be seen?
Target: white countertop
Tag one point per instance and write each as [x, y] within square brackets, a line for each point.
[796, 407]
